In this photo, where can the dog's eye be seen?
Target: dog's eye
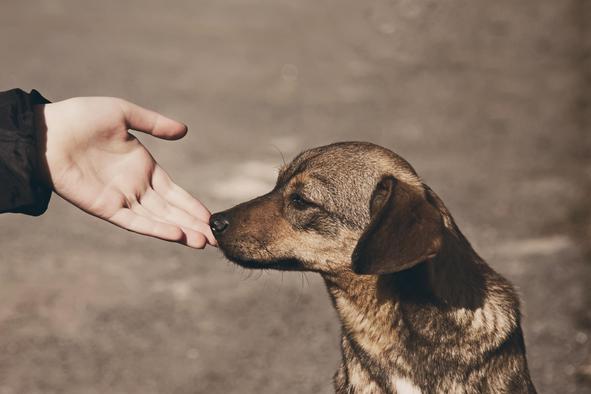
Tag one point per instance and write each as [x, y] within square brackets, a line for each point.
[299, 202]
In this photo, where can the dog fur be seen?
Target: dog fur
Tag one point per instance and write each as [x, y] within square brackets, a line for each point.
[421, 312]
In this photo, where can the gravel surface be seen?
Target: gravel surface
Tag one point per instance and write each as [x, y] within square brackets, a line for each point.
[489, 100]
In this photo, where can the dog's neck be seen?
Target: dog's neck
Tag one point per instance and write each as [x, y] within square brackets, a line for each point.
[394, 325]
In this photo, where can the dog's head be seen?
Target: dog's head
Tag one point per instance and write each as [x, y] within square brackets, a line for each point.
[346, 206]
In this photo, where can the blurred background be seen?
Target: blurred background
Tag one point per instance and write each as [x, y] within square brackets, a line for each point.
[489, 100]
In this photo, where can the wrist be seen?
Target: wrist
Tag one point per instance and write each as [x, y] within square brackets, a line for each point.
[41, 131]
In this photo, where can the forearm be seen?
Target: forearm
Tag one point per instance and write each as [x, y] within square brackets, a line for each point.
[23, 188]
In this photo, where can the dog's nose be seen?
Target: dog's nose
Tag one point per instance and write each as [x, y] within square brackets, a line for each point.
[218, 223]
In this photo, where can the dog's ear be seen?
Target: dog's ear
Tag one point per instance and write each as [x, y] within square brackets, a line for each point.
[405, 229]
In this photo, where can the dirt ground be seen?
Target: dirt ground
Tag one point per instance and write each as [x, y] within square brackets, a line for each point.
[489, 100]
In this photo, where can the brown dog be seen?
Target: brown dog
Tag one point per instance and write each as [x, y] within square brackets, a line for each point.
[421, 312]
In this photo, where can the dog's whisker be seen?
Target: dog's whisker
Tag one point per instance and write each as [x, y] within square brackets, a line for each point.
[306, 277]
[280, 153]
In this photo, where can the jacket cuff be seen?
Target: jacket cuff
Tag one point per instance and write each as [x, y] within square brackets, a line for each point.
[23, 191]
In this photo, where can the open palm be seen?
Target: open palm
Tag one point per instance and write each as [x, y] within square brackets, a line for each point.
[93, 162]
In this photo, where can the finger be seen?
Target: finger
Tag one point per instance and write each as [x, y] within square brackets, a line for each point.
[177, 196]
[159, 207]
[156, 204]
[132, 221]
[192, 238]
[150, 122]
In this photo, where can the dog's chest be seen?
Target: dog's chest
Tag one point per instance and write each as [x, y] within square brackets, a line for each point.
[405, 386]
[369, 332]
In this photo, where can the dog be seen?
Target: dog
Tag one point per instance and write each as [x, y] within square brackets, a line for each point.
[421, 312]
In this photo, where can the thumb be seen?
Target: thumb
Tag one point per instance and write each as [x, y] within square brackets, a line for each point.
[150, 122]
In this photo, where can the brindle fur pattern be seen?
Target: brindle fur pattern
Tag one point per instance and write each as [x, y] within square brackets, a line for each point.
[428, 315]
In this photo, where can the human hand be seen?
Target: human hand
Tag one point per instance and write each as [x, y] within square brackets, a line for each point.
[91, 160]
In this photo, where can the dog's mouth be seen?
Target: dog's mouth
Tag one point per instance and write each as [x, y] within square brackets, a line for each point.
[283, 265]
[257, 263]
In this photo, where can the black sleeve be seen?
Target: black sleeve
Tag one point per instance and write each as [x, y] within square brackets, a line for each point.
[20, 188]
